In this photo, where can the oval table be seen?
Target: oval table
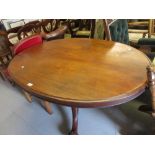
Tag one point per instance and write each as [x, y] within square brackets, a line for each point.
[81, 73]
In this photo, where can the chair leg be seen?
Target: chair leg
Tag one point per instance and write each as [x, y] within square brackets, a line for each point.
[5, 77]
[47, 107]
[28, 96]
[2, 76]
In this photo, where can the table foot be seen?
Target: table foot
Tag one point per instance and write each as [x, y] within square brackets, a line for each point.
[74, 130]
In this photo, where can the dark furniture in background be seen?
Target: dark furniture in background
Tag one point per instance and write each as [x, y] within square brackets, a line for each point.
[49, 29]
[119, 31]
[29, 29]
[144, 26]
[57, 34]
[140, 26]
[49, 25]
[82, 28]
[116, 30]
[147, 45]
[12, 32]
[2, 27]
[5, 51]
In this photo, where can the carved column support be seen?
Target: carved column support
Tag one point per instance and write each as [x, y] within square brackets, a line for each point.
[74, 130]
[151, 85]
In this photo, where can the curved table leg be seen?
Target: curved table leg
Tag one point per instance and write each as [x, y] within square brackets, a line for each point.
[74, 130]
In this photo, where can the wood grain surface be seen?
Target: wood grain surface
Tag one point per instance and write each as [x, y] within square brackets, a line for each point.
[81, 72]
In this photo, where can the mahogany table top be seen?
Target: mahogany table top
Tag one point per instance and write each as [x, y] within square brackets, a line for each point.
[81, 72]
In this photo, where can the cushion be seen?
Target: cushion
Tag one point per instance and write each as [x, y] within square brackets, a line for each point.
[83, 33]
[119, 31]
[146, 41]
[26, 43]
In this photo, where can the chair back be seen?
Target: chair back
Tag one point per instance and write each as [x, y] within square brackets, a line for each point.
[26, 43]
[49, 25]
[5, 51]
[28, 29]
[117, 30]
[82, 28]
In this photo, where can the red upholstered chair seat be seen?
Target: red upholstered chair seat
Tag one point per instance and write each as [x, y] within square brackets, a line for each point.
[26, 43]
[23, 44]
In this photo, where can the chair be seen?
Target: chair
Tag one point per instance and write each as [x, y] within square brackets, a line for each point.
[5, 55]
[29, 29]
[24, 44]
[33, 22]
[5, 50]
[53, 29]
[49, 25]
[147, 45]
[82, 28]
[12, 35]
[57, 34]
[116, 30]
[142, 26]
